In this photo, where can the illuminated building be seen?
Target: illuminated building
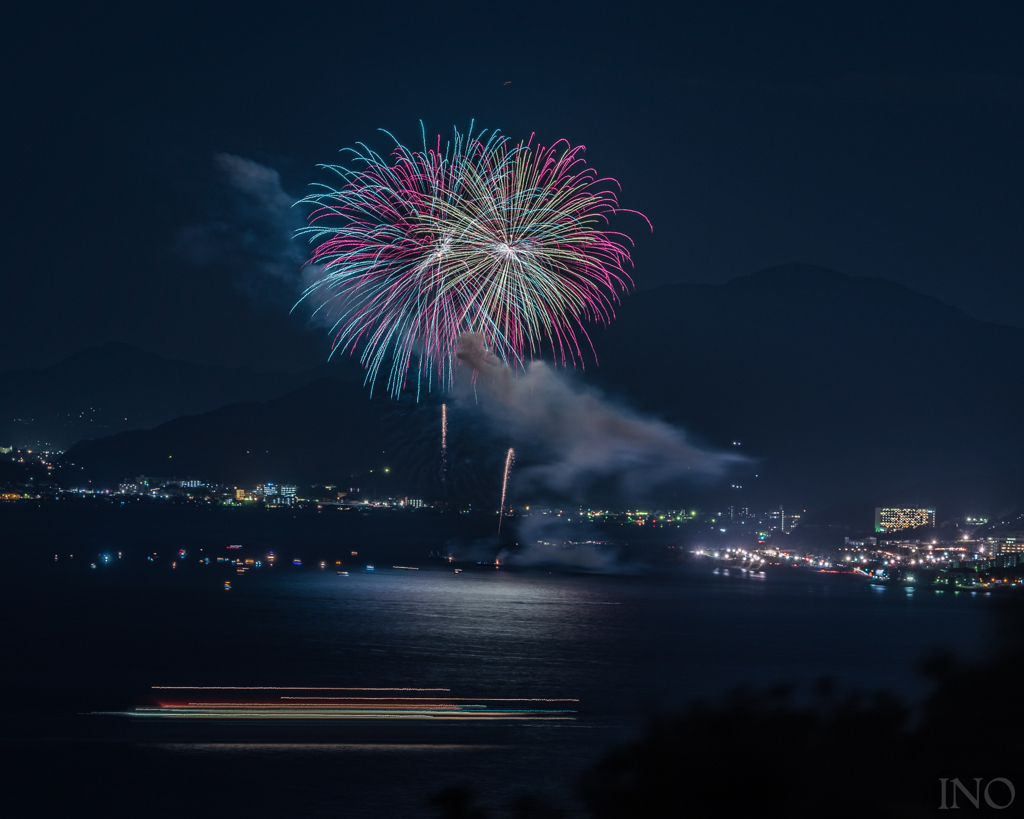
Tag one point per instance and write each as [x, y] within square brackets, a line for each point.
[1009, 545]
[892, 520]
[779, 519]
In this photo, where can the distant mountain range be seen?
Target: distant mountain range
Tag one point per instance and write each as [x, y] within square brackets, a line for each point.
[115, 387]
[842, 389]
[846, 388]
[327, 429]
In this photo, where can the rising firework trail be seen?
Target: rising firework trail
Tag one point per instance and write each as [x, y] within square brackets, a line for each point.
[510, 459]
[474, 235]
[444, 442]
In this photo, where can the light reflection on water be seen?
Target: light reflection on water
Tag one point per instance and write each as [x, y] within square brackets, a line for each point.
[627, 647]
[624, 645]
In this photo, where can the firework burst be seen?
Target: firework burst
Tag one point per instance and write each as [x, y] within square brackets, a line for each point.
[478, 235]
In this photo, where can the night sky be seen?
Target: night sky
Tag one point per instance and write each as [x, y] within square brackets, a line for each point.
[879, 141]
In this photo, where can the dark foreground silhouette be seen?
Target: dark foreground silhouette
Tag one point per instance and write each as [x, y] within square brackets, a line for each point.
[762, 753]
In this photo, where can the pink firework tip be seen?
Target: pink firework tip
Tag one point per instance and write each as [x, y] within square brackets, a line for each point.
[474, 235]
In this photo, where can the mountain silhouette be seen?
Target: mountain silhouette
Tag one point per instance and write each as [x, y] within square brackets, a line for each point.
[115, 387]
[843, 387]
[839, 388]
[327, 428]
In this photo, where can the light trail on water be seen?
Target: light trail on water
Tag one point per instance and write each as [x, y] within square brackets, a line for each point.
[367, 704]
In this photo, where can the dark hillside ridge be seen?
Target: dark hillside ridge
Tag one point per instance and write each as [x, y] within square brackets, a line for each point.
[115, 387]
[327, 425]
[847, 387]
[843, 389]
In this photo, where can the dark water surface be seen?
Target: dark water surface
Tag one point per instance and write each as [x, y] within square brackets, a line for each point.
[627, 647]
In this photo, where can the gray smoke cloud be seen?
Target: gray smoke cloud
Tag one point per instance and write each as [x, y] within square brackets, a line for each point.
[580, 436]
[259, 182]
[252, 234]
[547, 539]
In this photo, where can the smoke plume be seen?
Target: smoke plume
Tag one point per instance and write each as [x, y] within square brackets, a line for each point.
[547, 539]
[251, 233]
[577, 437]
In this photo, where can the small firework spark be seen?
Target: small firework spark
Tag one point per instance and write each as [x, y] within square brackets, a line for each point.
[477, 235]
[510, 458]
